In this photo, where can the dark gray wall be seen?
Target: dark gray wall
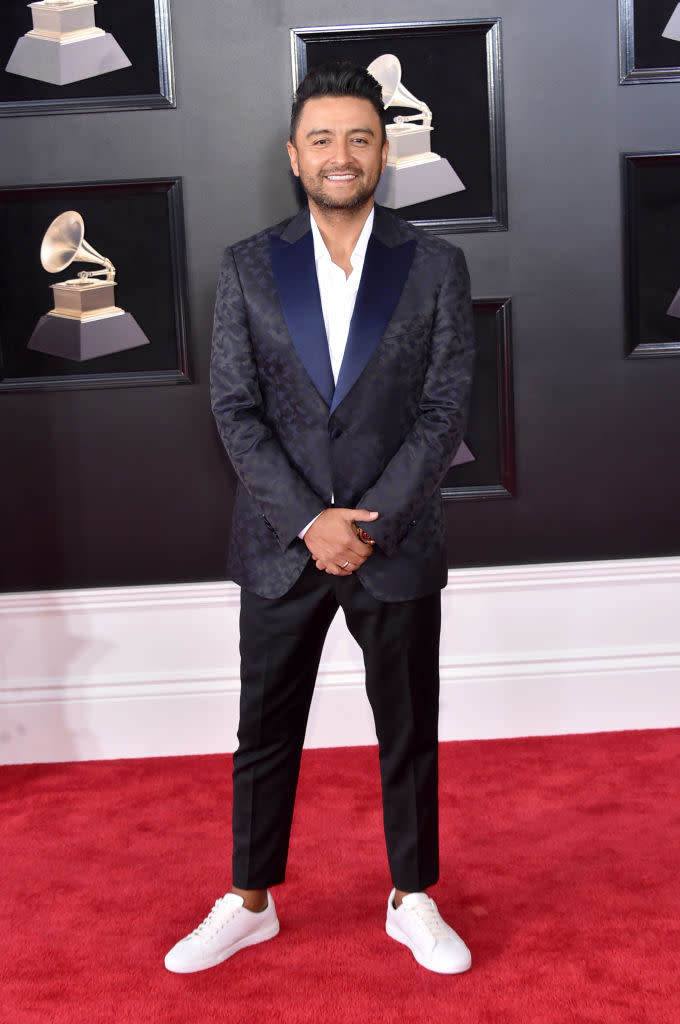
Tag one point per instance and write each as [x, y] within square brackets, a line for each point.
[106, 487]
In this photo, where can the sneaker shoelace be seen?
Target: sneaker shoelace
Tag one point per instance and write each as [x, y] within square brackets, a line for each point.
[220, 913]
[429, 917]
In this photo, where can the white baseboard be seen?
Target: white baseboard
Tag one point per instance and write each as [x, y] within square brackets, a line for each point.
[526, 650]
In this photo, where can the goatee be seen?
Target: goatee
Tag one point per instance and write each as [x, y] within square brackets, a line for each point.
[317, 192]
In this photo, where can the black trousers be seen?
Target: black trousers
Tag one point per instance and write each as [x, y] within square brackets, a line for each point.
[281, 643]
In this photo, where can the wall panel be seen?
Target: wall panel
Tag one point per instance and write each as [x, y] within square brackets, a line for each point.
[129, 487]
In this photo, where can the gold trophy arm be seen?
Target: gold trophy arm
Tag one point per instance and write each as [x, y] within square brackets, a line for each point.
[109, 271]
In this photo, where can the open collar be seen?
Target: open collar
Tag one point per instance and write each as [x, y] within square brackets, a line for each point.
[389, 254]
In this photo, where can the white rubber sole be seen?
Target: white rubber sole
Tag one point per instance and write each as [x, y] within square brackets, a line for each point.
[262, 935]
[396, 933]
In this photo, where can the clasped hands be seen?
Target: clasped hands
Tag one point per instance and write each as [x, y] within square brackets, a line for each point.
[335, 543]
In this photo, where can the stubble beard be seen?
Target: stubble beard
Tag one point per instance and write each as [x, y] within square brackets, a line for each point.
[315, 190]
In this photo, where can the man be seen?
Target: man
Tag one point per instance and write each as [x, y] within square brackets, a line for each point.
[341, 369]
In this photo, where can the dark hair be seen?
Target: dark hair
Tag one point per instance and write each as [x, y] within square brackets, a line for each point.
[337, 78]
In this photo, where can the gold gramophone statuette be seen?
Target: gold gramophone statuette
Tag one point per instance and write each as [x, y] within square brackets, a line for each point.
[85, 322]
[414, 174]
[84, 297]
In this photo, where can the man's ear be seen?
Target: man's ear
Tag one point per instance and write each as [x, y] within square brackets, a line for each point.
[385, 148]
[292, 154]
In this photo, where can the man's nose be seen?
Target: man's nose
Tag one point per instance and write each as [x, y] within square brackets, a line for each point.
[342, 151]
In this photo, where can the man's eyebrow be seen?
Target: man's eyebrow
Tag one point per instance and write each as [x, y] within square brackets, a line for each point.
[328, 131]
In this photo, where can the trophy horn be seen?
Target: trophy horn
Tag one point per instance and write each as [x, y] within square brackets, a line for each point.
[64, 243]
[386, 70]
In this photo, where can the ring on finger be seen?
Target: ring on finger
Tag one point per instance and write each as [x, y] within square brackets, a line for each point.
[345, 564]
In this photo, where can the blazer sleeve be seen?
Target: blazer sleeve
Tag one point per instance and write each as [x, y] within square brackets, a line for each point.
[282, 497]
[416, 470]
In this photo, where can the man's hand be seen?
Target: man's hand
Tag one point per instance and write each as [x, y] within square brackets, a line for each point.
[334, 541]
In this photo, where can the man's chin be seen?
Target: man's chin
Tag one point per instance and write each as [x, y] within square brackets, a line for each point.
[329, 202]
[349, 204]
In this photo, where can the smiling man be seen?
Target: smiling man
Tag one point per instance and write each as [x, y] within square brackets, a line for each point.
[341, 368]
[338, 149]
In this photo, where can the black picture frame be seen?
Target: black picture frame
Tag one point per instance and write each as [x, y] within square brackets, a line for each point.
[652, 247]
[644, 54]
[456, 66]
[141, 28]
[490, 433]
[139, 226]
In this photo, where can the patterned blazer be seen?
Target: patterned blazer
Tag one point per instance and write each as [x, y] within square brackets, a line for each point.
[381, 439]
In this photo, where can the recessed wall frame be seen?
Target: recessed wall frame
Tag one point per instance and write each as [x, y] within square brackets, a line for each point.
[652, 246]
[649, 41]
[490, 433]
[139, 29]
[62, 326]
[454, 68]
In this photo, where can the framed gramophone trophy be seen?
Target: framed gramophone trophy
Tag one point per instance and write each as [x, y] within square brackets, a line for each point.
[490, 431]
[649, 41]
[73, 315]
[66, 56]
[652, 248]
[442, 87]
[64, 44]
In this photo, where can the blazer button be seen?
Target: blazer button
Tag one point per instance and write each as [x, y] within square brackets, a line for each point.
[336, 432]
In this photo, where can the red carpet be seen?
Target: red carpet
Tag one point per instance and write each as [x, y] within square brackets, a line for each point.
[560, 868]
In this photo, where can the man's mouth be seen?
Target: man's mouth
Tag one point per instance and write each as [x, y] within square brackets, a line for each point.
[346, 176]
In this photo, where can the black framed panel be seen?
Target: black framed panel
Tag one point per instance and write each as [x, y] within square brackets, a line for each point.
[139, 227]
[490, 434]
[455, 68]
[652, 217]
[135, 39]
[649, 41]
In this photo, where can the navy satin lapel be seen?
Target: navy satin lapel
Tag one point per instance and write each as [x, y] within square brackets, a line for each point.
[298, 288]
[382, 282]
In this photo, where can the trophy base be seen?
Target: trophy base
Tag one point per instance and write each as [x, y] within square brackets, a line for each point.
[61, 63]
[408, 140]
[463, 456]
[81, 340]
[84, 299]
[674, 308]
[672, 29]
[407, 185]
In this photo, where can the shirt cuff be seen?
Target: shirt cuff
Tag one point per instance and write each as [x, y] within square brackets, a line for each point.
[302, 532]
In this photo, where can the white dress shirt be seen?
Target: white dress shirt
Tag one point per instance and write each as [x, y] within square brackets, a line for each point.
[338, 292]
[338, 296]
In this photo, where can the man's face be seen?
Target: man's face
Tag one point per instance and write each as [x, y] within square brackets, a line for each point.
[338, 152]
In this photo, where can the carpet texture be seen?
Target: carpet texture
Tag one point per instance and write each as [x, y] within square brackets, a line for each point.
[560, 868]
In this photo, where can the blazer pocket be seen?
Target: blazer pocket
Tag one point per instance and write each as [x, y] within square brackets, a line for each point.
[269, 526]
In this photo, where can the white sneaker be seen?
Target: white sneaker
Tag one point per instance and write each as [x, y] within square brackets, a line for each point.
[227, 928]
[418, 924]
